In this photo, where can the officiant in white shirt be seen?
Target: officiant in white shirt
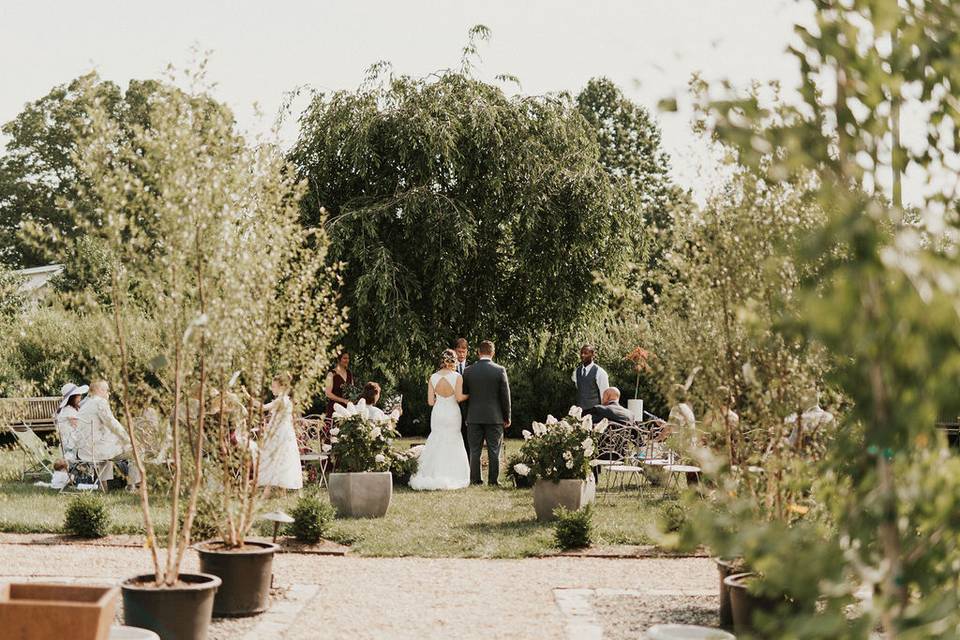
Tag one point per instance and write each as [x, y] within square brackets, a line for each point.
[590, 378]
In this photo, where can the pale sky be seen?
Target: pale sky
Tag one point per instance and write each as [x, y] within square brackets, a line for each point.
[261, 50]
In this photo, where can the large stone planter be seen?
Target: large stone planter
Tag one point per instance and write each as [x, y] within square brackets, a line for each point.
[361, 495]
[570, 494]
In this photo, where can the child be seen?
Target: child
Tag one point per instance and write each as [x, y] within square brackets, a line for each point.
[279, 454]
[60, 477]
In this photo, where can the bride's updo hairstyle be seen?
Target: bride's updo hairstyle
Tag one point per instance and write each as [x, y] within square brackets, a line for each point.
[448, 359]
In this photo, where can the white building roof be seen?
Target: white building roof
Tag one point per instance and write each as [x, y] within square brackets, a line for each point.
[36, 278]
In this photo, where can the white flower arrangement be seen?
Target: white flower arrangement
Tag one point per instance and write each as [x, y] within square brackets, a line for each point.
[560, 449]
[521, 469]
[361, 440]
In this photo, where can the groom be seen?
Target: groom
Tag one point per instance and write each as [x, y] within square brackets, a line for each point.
[488, 413]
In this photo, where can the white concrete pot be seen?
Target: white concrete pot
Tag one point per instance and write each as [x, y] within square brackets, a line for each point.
[635, 406]
[361, 495]
[570, 494]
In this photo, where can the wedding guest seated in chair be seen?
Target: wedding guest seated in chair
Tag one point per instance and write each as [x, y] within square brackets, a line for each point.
[67, 418]
[101, 439]
[611, 409]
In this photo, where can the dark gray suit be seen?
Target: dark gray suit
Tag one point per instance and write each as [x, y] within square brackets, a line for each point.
[612, 411]
[489, 389]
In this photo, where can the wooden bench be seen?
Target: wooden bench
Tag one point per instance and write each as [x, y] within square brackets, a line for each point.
[36, 413]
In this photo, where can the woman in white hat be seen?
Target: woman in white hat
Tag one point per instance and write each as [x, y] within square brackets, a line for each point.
[67, 418]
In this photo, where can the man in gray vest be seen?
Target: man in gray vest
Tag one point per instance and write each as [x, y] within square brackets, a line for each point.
[488, 413]
[590, 378]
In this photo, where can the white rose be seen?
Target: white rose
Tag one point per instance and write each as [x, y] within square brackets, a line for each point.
[375, 432]
[586, 423]
[380, 458]
[521, 469]
[335, 431]
[334, 440]
[551, 420]
[527, 435]
[576, 411]
[569, 464]
[539, 429]
[326, 448]
[588, 451]
[601, 426]
[567, 455]
[587, 443]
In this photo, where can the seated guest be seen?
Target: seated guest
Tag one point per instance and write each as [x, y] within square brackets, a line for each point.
[611, 409]
[371, 395]
[67, 418]
[100, 436]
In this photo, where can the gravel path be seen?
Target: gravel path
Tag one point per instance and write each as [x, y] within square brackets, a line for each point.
[416, 597]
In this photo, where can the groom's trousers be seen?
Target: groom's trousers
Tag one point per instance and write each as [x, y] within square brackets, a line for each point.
[493, 434]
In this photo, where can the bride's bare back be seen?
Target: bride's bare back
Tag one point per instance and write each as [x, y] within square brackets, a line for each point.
[443, 388]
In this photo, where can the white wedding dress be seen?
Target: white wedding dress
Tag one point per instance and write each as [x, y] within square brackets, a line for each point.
[443, 461]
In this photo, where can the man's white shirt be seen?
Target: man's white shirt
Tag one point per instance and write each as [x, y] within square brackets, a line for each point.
[603, 381]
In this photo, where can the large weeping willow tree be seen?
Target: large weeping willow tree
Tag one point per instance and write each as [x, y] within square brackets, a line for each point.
[460, 210]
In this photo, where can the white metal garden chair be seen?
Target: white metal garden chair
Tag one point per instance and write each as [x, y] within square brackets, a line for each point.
[625, 445]
[314, 429]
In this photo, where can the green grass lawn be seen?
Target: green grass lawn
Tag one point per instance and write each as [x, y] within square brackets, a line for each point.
[473, 522]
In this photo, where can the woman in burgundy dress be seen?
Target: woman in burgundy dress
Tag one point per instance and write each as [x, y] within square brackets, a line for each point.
[337, 379]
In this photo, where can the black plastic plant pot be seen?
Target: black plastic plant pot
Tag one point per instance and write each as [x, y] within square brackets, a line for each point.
[246, 574]
[181, 612]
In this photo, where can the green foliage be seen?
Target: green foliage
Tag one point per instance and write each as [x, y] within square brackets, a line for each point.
[209, 518]
[882, 302]
[462, 211]
[559, 449]
[202, 228]
[403, 464]
[311, 518]
[52, 345]
[573, 529]
[87, 516]
[360, 443]
[40, 170]
[673, 518]
[86, 274]
[12, 301]
[515, 464]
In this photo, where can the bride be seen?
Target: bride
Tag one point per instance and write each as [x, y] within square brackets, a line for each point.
[443, 461]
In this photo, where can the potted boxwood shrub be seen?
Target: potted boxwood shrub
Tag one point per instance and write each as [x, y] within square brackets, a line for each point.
[558, 454]
[188, 213]
[360, 443]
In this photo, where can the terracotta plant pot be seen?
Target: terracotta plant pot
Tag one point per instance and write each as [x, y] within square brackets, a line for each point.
[246, 574]
[744, 604]
[570, 494]
[38, 611]
[182, 612]
[726, 568]
[361, 495]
